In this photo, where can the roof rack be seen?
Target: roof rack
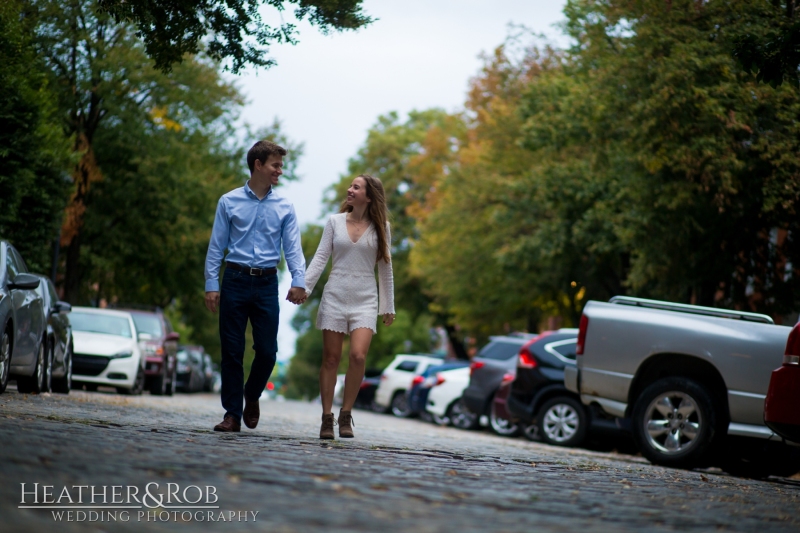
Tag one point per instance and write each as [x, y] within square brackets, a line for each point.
[692, 309]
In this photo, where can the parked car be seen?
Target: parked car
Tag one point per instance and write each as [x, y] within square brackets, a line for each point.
[366, 391]
[496, 359]
[421, 384]
[58, 352]
[500, 420]
[781, 408]
[445, 402]
[159, 344]
[190, 375]
[538, 395]
[396, 379]
[106, 350]
[690, 380]
[208, 372]
[22, 316]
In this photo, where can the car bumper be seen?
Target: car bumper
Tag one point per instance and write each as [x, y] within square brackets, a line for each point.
[117, 372]
[571, 379]
[474, 400]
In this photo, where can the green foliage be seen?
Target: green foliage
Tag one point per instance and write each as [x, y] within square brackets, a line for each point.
[34, 153]
[226, 29]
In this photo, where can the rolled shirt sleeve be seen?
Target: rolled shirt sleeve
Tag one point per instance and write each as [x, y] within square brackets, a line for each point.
[216, 247]
[293, 249]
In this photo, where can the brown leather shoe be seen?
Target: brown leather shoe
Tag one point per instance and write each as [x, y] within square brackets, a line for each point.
[228, 424]
[251, 413]
[345, 425]
[326, 431]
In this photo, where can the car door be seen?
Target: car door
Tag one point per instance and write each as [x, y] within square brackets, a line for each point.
[59, 323]
[25, 342]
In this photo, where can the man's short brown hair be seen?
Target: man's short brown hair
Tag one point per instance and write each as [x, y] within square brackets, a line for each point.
[262, 150]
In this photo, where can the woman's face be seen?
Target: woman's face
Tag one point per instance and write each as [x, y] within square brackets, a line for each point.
[357, 193]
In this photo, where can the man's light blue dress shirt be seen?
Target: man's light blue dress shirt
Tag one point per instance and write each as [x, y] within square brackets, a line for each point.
[253, 231]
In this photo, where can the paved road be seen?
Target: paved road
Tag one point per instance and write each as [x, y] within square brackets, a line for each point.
[397, 475]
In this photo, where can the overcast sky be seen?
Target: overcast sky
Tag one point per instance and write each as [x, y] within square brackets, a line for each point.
[328, 90]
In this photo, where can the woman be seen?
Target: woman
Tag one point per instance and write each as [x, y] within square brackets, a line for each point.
[358, 237]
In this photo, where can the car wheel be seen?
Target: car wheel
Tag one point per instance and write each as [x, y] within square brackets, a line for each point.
[531, 432]
[675, 422]
[440, 420]
[5, 360]
[377, 408]
[400, 407]
[502, 426]
[34, 384]
[47, 386]
[562, 421]
[91, 387]
[138, 385]
[461, 417]
[64, 384]
[170, 388]
[159, 385]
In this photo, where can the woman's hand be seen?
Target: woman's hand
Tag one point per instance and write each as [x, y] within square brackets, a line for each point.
[388, 318]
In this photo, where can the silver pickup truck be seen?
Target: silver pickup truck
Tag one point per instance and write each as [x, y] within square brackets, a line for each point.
[684, 377]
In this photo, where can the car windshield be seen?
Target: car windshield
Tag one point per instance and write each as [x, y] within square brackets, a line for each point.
[149, 324]
[500, 350]
[98, 323]
[183, 356]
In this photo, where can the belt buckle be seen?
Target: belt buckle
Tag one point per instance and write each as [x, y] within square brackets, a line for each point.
[260, 271]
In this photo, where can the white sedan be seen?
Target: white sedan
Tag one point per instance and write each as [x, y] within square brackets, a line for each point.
[106, 350]
[444, 399]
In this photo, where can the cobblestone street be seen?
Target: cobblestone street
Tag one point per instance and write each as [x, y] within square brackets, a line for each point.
[397, 475]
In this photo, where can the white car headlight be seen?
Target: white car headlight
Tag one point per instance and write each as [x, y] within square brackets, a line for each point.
[123, 354]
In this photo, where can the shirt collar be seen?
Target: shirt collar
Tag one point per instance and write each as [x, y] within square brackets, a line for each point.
[249, 192]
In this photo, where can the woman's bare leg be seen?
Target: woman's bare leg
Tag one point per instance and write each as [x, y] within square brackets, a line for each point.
[359, 346]
[331, 355]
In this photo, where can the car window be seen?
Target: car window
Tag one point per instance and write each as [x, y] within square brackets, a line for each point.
[500, 350]
[407, 366]
[182, 356]
[51, 289]
[149, 324]
[196, 357]
[98, 323]
[11, 267]
[21, 266]
[564, 349]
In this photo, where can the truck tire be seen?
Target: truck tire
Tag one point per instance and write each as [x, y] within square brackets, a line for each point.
[562, 421]
[676, 422]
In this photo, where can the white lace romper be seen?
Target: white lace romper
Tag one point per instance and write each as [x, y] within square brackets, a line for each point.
[350, 298]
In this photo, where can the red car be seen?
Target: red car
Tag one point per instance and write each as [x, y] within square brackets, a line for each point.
[159, 344]
[782, 406]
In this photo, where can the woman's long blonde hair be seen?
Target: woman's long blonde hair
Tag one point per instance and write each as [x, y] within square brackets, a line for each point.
[376, 211]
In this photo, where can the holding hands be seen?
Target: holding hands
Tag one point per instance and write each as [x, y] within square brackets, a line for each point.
[297, 295]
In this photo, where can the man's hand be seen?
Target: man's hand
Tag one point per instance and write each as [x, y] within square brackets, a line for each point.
[212, 301]
[388, 318]
[297, 295]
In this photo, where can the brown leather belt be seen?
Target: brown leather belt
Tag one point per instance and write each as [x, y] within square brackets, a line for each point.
[258, 272]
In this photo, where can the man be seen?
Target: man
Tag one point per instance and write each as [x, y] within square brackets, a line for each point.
[252, 223]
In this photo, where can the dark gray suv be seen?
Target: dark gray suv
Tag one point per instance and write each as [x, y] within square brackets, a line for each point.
[487, 369]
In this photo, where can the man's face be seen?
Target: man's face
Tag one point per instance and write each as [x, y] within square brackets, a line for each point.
[271, 170]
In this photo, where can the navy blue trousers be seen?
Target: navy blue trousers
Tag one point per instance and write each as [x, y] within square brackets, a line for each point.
[244, 297]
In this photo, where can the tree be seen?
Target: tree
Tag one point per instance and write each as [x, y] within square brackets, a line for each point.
[225, 29]
[34, 153]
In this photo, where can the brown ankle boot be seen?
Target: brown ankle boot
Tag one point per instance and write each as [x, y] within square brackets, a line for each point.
[326, 431]
[345, 425]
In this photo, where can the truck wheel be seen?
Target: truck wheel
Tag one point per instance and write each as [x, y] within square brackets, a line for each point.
[675, 422]
[562, 421]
